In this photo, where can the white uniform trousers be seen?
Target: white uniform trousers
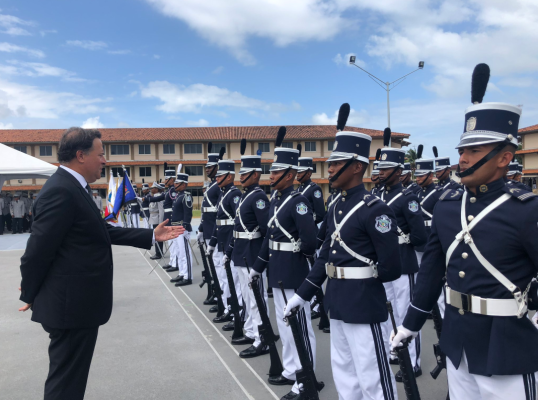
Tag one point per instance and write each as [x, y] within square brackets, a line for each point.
[182, 255]
[441, 303]
[135, 219]
[360, 363]
[252, 314]
[463, 385]
[387, 325]
[221, 274]
[403, 292]
[146, 223]
[290, 357]
[172, 251]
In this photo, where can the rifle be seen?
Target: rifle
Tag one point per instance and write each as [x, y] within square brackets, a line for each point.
[408, 373]
[319, 300]
[233, 301]
[206, 275]
[304, 376]
[265, 330]
[216, 287]
[439, 355]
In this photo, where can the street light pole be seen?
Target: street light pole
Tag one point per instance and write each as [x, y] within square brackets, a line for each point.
[388, 85]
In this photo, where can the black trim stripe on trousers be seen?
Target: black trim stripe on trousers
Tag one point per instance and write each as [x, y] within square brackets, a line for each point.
[417, 339]
[187, 256]
[382, 362]
[529, 380]
[301, 317]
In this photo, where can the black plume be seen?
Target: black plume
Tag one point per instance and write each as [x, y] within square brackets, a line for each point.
[479, 83]
[343, 115]
[209, 147]
[300, 148]
[377, 154]
[143, 181]
[435, 153]
[243, 146]
[419, 151]
[165, 166]
[160, 180]
[386, 137]
[221, 152]
[280, 136]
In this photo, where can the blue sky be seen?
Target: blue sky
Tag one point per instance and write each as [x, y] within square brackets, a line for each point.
[161, 63]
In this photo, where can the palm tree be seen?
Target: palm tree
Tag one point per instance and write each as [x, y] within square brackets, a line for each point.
[411, 156]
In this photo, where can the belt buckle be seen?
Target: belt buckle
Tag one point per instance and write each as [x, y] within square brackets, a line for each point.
[466, 302]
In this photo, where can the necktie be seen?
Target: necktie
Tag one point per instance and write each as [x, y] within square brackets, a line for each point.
[89, 189]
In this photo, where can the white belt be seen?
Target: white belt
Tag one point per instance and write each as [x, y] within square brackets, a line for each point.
[403, 239]
[168, 210]
[209, 209]
[428, 223]
[176, 223]
[479, 305]
[221, 222]
[334, 272]
[281, 246]
[247, 235]
[145, 209]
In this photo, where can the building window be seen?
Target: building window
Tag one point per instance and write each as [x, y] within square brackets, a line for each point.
[265, 169]
[194, 170]
[314, 168]
[144, 149]
[287, 145]
[217, 146]
[103, 172]
[144, 172]
[330, 145]
[193, 148]
[169, 148]
[309, 146]
[22, 149]
[45, 151]
[264, 147]
[196, 192]
[115, 171]
[119, 149]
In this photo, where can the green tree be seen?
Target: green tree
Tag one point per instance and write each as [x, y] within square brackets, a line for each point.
[411, 156]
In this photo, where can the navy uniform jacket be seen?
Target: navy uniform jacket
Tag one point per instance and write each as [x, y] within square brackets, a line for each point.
[370, 232]
[297, 219]
[414, 187]
[322, 232]
[254, 210]
[182, 210]
[145, 207]
[211, 199]
[428, 197]
[377, 189]
[518, 185]
[168, 202]
[409, 219]
[450, 184]
[227, 203]
[135, 208]
[507, 238]
[314, 195]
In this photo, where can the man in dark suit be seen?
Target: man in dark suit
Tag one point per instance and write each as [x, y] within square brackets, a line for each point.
[67, 267]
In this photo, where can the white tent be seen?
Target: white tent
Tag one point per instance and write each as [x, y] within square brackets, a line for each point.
[17, 165]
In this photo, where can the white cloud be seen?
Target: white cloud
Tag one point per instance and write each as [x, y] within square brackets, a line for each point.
[156, 56]
[201, 122]
[344, 60]
[122, 124]
[45, 32]
[92, 123]
[198, 96]
[12, 25]
[87, 44]
[356, 118]
[33, 69]
[13, 48]
[230, 23]
[6, 126]
[133, 93]
[218, 70]
[119, 52]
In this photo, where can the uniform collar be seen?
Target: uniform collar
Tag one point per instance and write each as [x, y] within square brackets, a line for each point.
[353, 190]
[306, 183]
[430, 186]
[491, 188]
[250, 188]
[445, 182]
[394, 188]
[285, 192]
[227, 187]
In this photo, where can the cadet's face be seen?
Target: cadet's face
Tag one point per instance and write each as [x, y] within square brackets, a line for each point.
[405, 178]
[491, 170]
[334, 167]
[424, 180]
[374, 178]
[223, 180]
[284, 183]
[210, 171]
[442, 175]
[385, 173]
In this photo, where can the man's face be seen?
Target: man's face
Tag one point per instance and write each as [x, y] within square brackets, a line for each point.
[94, 194]
[303, 176]
[424, 180]
[210, 171]
[469, 156]
[442, 175]
[284, 183]
[154, 190]
[93, 162]
[223, 180]
[374, 178]
[249, 178]
[385, 173]
[405, 178]
[345, 176]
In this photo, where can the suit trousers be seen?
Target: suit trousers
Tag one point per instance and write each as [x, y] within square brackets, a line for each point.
[70, 357]
[17, 225]
[1, 223]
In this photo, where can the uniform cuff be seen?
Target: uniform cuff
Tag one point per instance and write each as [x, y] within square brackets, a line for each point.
[415, 318]
[307, 290]
[259, 265]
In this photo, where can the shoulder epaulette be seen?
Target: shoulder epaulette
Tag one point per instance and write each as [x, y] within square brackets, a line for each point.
[439, 188]
[450, 194]
[295, 194]
[407, 191]
[370, 199]
[520, 194]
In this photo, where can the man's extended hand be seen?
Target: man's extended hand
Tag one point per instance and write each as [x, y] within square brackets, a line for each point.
[25, 307]
[164, 233]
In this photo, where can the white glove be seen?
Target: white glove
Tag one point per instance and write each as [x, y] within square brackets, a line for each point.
[403, 333]
[210, 250]
[225, 259]
[534, 320]
[295, 301]
[200, 237]
[253, 273]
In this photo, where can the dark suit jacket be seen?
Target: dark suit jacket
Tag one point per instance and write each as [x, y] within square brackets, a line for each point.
[67, 267]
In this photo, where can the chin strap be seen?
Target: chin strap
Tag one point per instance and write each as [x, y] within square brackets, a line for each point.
[248, 177]
[425, 179]
[281, 177]
[226, 177]
[390, 176]
[485, 159]
[337, 175]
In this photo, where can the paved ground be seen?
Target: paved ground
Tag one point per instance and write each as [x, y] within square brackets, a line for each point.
[159, 344]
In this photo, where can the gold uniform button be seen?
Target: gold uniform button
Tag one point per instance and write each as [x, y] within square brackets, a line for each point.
[470, 218]
[271, 236]
[339, 212]
[472, 199]
[272, 226]
[334, 251]
[464, 255]
[462, 274]
[461, 311]
[343, 199]
[270, 255]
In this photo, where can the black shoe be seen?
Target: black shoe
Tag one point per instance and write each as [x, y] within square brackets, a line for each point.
[214, 309]
[172, 269]
[178, 278]
[223, 318]
[166, 266]
[315, 315]
[184, 282]
[394, 361]
[243, 340]
[253, 351]
[327, 330]
[230, 326]
[155, 257]
[279, 381]
[398, 376]
[292, 396]
[210, 302]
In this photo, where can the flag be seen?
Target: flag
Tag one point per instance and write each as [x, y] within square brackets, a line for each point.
[110, 198]
[124, 194]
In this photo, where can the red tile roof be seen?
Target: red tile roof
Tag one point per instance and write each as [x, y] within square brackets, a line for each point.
[528, 129]
[528, 151]
[224, 133]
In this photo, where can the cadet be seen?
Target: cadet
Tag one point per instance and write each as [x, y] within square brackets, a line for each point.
[442, 172]
[407, 183]
[222, 235]
[18, 210]
[518, 177]
[27, 211]
[359, 253]
[309, 189]
[135, 211]
[375, 179]
[97, 200]
[174, 255]
[290, 239]
[156, 214]
[411, 233]
[512, 175]
[145, 205]
[1, 214]
[487, 249]
[182, 215]
[249, 231]
[7, 211]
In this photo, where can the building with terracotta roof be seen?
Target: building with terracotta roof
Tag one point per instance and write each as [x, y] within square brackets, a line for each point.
[143, 151]
[529, 153]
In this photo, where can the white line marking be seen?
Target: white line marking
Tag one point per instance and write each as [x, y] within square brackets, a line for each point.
[220, 334]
